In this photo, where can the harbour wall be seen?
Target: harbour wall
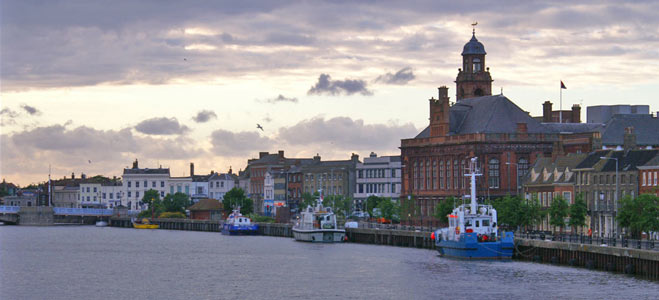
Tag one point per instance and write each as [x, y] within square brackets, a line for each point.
[644, 263]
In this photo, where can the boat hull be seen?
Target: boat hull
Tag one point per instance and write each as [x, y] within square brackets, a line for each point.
[319, 235]
[101, 224]
[146, 226]
[469, 248]
[240, 230]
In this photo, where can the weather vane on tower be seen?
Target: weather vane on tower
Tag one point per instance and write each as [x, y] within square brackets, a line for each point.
[473, 25]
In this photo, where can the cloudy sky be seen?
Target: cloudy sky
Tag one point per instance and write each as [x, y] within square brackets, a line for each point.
[89, 86]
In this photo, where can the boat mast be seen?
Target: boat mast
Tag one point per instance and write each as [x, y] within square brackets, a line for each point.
[473, 172]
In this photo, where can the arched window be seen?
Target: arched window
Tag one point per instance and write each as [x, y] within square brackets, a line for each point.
[441, 174]
[478, 92]
[415, 178]
[493, 173]
[428, 176]
[434, 174]
[456, 176]
[448, 175]
[462, 171]
[476, 65]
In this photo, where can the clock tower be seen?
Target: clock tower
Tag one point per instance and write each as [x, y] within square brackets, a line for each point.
[474, 78]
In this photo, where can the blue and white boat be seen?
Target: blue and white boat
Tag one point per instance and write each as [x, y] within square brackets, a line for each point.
[473, 232]
[237, 224]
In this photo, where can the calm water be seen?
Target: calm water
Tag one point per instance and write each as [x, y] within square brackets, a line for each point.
[86, 262]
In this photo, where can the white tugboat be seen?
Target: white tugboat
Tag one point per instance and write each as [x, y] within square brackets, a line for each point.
[318, 224]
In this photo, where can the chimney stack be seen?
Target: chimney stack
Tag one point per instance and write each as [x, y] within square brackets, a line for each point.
[135, 164]
[576, 113]
[354, 157]
[546, 112]
[73, 175]
[629, 140]
[262, 154]
[316, 158]
[439, 113]
[281, 153]
[191, 169]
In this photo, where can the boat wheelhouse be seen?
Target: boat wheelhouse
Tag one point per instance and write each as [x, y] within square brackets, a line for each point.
[318, 224]
[237, 224]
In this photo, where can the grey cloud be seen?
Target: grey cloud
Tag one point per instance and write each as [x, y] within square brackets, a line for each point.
[229, 143]
[7, 116]
[204, 116]
[30, 109]
[403, 76]
[346, 133]
[281, 98]
[161, 126]
[327, 86]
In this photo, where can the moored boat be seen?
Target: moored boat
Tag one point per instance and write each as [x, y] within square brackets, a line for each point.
[318, 224]
[237, 224]
[101, 223]
[473, 230]
[145, 224]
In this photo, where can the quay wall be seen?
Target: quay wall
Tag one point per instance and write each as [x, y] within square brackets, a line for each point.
[644, 263]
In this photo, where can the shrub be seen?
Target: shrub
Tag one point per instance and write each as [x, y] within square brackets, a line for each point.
[262, 219]
[172, 215]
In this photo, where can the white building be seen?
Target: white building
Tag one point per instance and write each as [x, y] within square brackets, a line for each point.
[180, 185]
[378, 176]
[268, 194]
[111, 194]
[220, 184]
[90, 195]
[66, 196]
[137, 181]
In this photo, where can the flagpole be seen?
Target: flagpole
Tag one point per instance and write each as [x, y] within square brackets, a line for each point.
[560, 109]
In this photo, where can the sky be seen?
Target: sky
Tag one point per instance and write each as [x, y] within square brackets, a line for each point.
[90, 86]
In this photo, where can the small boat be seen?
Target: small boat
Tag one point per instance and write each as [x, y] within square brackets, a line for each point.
[101, 223]
[318, 225]
[473, 232]
[237, 224]
[145, 224]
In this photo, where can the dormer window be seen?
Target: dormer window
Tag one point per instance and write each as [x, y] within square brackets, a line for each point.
[476, 65]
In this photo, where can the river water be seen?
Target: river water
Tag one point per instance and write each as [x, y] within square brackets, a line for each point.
[86, 262]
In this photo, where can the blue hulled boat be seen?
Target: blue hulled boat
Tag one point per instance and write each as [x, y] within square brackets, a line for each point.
[237, 224]
[473, 232]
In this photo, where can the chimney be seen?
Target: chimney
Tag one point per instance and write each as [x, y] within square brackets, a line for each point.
[230, 171]
[281, 153]
[373, 154]
[354, 158]
[439, 113]
[576, 113]
[262, 154]
[83, 176]
[191, 169]
[73, 175]
[629, 142]
[135, 164]
[522, 128]
[316, 158]
[546, 112]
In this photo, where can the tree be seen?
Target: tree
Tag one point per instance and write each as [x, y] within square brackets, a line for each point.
[372, 202]
[640, 214]
[578, 212]
[176, 202]
[558, 211]
[410, 209]
[510, 212]
[532, 212]
[444, 209]
[308, 199]
[151, 197]
[388, 209]
[340, 204]
[236, 197]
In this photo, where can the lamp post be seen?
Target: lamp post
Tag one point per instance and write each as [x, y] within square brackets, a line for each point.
[516, 176]
[615, 197]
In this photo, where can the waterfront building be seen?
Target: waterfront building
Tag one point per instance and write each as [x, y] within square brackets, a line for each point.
[294, 186]
[206, 209]
[90, 195]
[244, 182]
[551, 177]
[333, 177]
[65, 196]
[603, 113]
[220, 184]
[279, 189]
[22, 198]
[111, 194]
[137, 181]
[648, 175]
[378, 176]
[602, 186]
[268, 193]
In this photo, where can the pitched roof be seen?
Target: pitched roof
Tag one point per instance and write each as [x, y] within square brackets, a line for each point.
[574, 127]
[490, 114]
[645, 128]
[549, 171]
[147, 171]
[627, 160]
[206, 204]
[223, 176]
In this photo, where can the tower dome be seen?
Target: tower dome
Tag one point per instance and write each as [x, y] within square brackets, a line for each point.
[473, 46]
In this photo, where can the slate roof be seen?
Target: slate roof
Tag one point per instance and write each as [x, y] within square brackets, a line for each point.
[646, 129]
[201, 178]
[147, 171]
[206, 204]
[488, 114]
[627, 160]
[223, 176]
[274, 158]
[556, 169]
[574, 127]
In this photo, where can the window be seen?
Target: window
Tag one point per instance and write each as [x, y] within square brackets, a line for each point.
[476, 65]
[171, 189]
[493, 173]
[146, 183]
[162, 193]
[128, 183]
[103, 195]
[153, 184]
[434, 174]
[393, 173]
[88, 198]
[523, 168]
[162, 184]
[222, 184]
[94, 189]
[94, 198]
[415, 178]
[463, 182]
[449, 174]
[111, 194]
[645, 179]
[187, 189]
[655, 178]
[456, 176]
[137, 184]
[568, 197]
[428, 177]
[441, 174]
[137, 194]
[128, 194]
[87, 189]
[178, 188]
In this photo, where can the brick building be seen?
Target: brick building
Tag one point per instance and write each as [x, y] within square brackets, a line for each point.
[648, 175]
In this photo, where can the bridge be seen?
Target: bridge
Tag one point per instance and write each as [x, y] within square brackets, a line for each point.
[46, 215]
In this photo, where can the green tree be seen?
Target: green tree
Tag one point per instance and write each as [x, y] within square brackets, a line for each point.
[176, 202]
[532, 212]
[558, 211]
[444, 209]
[340, 204]
[151, 197]
[640, 214]
[578, 212]
[409, 208]
[388, 209]
[372, 202]
[510, 212]
[236, 197]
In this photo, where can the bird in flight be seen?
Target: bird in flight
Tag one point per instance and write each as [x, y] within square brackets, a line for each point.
[259, 126]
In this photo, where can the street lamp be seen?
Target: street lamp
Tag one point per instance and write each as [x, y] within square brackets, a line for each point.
[615, 198]
[516, 176]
